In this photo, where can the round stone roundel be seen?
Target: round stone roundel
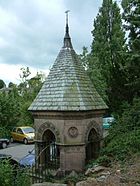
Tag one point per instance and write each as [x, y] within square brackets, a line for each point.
[73, 132]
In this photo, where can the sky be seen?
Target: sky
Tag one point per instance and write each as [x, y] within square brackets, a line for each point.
[32, 32]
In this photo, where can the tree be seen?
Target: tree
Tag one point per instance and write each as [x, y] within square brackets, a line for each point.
[25, 73]
[2, 84]
[11, 85]
[9, 108]
[90, 64]
[131, 16]
[107, 51]
[84, 57]
[35, 83]
[15, 101]
[28, 88]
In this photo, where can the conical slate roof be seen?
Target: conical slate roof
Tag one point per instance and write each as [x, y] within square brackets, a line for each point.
[67, 87]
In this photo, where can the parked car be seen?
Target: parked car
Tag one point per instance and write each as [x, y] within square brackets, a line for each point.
[28, 160]
[4, 142]
[107, 121]
[23, 134]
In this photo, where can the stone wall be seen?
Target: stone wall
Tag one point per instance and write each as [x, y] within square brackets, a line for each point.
[71, 131]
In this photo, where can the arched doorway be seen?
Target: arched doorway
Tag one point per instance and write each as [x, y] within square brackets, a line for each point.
[93, 145]
[51, 149]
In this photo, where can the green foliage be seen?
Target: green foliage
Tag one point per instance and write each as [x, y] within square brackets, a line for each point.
[84, 57]
[24, 75]
[6, 174]
[124, 135]
[90, 64]
[25, 116]
[96, 76]
[15, 101]
[22, 178]
[2, 84]
[107, 61]
[132, 26]
[9, 108]
[11, 85]
[4, 132]
[28, 89]
[9, 176]
[124, 145]
[73, 179]
[103, 160]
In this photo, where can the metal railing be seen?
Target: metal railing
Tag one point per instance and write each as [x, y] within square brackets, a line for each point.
[41, 172]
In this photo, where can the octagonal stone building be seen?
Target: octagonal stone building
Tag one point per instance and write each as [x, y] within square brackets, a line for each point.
[67, 114]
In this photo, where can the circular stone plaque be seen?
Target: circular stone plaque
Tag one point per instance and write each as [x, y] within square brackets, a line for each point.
[73, 132]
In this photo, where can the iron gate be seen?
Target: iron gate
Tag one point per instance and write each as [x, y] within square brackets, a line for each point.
[42, 172]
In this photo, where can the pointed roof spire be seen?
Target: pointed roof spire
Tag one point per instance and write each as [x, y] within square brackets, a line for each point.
[67, 27]
[67, 39]
[67, 87]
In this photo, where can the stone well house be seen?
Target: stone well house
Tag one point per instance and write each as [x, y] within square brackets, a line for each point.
[68, 113]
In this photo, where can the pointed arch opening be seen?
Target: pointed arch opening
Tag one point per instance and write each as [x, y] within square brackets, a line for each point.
[50, 153]
[92, 145]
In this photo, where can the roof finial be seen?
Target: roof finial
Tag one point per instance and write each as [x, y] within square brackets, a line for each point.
[67, 40]
[67, 27]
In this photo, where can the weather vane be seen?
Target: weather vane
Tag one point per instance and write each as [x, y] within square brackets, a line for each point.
[67, 11]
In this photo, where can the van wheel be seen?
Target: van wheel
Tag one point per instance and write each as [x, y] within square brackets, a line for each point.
[25, 141]
[4, 145]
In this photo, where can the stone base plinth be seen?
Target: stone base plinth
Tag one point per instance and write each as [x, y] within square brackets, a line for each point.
[72, 157]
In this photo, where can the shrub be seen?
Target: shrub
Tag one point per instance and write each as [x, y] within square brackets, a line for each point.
[11, 177]
[22, 178]
[6, 173]
[124, 135]
[73, 179]
[104, 160]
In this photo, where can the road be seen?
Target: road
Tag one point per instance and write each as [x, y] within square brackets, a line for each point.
[17, 150]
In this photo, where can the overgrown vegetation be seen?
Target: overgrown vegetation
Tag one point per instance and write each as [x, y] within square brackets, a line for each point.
[123, 141]
[73, 179]
[113, 66]
[11, 176]
[124, 135]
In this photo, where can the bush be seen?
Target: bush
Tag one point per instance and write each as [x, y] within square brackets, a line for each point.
[11, 177]
[73, 179]
[22, 179]
[124, 136]
[4, 132]
[104, 160]
[6, 173]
